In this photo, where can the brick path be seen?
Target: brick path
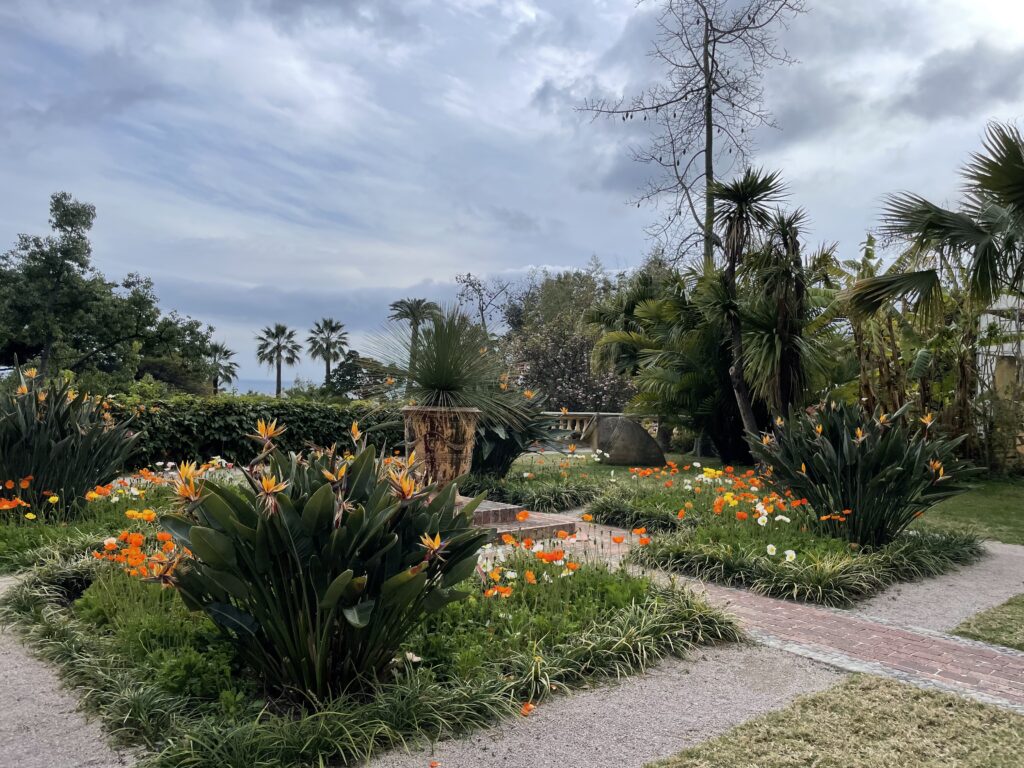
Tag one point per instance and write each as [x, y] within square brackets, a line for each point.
[858, 644]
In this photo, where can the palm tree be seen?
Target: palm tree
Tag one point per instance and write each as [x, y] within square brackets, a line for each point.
[416, 312]
[327, 341]
[987, 229]
[225, 370]
[278, 346]
[742, 209]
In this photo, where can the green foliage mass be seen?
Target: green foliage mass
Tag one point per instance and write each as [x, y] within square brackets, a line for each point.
[195, 428]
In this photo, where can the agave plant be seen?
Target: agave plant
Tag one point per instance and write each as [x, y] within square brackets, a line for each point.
[60, 442]
[866, 479]
[320, 568]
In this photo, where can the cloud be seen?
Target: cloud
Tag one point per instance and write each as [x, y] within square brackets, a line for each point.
[964, 82]
[275, 160]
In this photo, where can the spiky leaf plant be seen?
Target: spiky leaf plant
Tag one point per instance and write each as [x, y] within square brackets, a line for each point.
[320, 571]
[866, 479]
[61, 442]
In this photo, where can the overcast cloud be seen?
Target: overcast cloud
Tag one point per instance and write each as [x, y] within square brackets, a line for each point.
[276, 160]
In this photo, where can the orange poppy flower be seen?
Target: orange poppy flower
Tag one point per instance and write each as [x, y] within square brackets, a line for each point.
[527, 708]
[531, 577]
[618, 539]
[586, 517]
[522, 515]
[639, 531]
[645, 540]
[741, 515]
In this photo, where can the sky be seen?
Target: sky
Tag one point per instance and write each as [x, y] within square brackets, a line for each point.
[284, 160]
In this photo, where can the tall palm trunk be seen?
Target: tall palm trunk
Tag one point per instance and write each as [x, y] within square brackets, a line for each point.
[277, 391]
[735, 239]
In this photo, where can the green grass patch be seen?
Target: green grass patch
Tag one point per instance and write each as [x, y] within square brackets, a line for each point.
[994, 509]
[867, 722]
[162, 677]
[1002, 625]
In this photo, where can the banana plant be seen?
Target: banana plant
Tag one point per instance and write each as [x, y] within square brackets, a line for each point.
[320, 572]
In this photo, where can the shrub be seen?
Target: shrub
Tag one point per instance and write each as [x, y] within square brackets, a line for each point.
[498, 446]
[187, 427]
[318, 581]
[54, 441]
[866, 479]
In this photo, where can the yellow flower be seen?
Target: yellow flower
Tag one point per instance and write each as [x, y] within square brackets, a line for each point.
[571, 448]
[803, 467]
[267, 431]
[818, 428]
[767, 439]
[884, 418]
[54, 499]
[335, 477]
[389, 380]
[564, 410]
[270, 485]
[21, 390]
[431, 544]
[403, 484]
[927, 419]
[31, 373]
[354, 430]
[779, 421]
[30, 516]
[528, 394]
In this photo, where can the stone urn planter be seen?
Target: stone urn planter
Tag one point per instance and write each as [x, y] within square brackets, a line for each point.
[443, 440]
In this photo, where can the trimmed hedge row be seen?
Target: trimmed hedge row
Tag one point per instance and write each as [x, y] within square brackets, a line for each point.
[192, 428]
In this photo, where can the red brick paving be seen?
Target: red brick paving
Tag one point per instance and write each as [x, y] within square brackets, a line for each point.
[853, 642]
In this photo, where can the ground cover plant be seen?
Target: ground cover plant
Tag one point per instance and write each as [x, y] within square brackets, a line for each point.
[1001, 625]
[730, 527]
[867, 722]
[187, 685]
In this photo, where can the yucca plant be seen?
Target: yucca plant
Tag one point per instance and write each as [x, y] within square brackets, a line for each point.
[319, 573]
[866, 479]
[60, 443]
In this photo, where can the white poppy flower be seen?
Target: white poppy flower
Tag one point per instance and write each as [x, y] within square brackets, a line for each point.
[781, 519]
[762, 520]
[696, 464]
[790, 555]
[771, 549]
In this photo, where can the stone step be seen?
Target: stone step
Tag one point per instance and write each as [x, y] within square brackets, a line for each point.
[539, 526]
[496, 513]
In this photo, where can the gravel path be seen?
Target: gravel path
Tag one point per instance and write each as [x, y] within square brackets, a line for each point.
[943, 602]
[40, 725]
[641, 719]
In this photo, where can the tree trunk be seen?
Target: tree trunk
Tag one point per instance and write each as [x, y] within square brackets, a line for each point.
[277, 391]
[413, 343]
[216, 385]
[327, 374]
[709, 150]
[867, 393]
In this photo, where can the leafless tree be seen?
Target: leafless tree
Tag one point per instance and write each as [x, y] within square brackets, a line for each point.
[715, 53]
[484, 295]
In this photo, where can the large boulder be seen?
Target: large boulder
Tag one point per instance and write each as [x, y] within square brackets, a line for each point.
[625, 441]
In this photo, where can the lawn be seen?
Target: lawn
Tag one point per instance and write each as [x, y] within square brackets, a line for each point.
[1002, 625]
[994, 510]
[867, 722]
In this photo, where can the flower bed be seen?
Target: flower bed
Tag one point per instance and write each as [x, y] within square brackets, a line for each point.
[207, 687]
[727, 526]
[164, 677]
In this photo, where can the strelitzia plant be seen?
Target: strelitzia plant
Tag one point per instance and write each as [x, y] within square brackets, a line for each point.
[322, 565]
[866, 478]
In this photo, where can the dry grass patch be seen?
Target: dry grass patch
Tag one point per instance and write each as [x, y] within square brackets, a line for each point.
[868, 722]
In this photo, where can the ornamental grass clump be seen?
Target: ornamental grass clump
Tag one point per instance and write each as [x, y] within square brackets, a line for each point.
[320, 566]
[866, 479]
[55, 446]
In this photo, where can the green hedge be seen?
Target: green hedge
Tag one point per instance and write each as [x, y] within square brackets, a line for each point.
[188, 427]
